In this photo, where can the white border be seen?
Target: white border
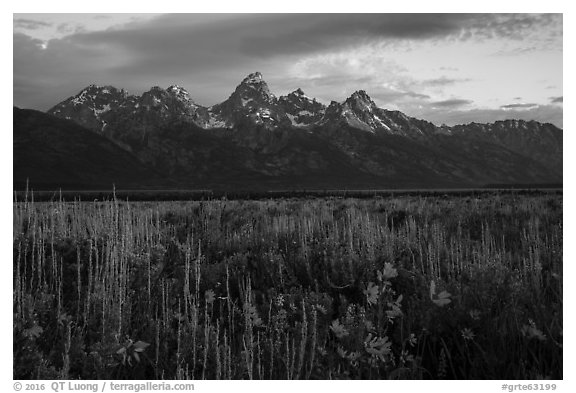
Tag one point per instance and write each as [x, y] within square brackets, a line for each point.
[257, 6]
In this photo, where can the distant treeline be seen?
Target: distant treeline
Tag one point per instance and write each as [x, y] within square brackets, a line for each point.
[196, 195]
[524, 186]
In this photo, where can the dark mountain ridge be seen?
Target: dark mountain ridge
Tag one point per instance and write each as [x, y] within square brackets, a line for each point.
[52, 153]
[257, 140]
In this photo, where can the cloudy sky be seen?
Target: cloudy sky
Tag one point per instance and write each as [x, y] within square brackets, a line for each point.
[446, 68]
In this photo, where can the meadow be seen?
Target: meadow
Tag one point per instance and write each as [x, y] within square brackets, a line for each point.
[411, 287]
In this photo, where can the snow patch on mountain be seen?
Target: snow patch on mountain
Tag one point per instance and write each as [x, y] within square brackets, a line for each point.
[293, 120]
[104, 109]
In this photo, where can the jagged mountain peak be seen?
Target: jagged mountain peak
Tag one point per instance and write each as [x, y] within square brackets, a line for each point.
[360, 99]
[299, 93]
[333, 110]
[253, 78]
[254, 83]
[172, 92]
[106, 89]
[301, 110]
[360, 112]
[92, 97]
[361, 94]
[176, 89]
[90, 104]
[153, 97]
[253, 90]
[180, 93]
[175, 101]
[250, 100]
[95, 92]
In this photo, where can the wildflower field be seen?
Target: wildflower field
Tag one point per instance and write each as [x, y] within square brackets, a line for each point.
[457, 287]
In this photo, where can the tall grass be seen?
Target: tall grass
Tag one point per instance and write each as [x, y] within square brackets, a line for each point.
[335, 288]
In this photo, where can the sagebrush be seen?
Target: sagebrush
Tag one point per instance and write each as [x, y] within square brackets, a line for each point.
[325, 288]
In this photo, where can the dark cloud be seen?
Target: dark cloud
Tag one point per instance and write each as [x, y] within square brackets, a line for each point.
[30, 24]
[557, 100]
[518, 106]
[268, 35]
[175, 48]
[451, 103]
[43, 77]
[515, 26]
[312, 32]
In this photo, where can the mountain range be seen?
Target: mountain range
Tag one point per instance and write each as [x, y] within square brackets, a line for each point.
[256, 140]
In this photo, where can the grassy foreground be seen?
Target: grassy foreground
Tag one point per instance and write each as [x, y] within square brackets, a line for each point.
[327, 288]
